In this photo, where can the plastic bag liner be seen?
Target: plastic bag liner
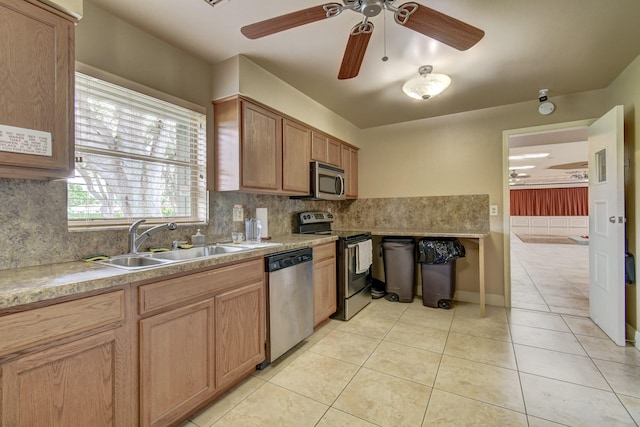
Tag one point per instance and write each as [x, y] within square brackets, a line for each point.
[439, 251]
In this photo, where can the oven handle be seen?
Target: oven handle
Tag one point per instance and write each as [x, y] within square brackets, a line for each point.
[356, 244]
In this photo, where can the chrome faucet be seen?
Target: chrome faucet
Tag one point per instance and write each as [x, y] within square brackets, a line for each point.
[136, 241]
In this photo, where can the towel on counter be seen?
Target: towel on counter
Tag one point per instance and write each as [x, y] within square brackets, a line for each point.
[364, 256]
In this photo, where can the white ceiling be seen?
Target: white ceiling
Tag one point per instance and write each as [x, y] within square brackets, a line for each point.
[566, 46]
[565, 165]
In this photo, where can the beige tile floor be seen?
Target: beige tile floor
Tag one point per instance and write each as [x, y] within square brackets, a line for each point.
[405, 365]
[550, 277]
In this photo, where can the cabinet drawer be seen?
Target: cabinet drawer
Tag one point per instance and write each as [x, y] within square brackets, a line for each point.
[29, 328]
[172, 291]
[327, 250]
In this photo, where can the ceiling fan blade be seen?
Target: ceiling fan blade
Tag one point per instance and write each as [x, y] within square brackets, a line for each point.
[291, 20]
[439, 26]
[355, 50]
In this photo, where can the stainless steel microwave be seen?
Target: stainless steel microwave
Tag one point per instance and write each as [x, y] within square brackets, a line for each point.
[327, 183]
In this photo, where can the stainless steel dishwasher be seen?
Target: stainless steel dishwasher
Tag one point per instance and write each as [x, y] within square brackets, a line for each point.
[289, 281]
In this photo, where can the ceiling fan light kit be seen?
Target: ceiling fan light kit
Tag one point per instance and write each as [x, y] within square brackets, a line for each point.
[427, 84]
[424, 20]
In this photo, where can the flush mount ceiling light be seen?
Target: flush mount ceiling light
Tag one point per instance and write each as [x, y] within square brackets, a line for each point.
[529, 156]
[427, 84]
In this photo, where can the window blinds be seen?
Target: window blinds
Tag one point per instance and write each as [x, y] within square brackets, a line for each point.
[136, 157]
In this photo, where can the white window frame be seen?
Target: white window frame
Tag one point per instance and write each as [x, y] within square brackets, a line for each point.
[92, 153]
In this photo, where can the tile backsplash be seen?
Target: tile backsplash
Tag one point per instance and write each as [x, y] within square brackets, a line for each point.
[34, 230]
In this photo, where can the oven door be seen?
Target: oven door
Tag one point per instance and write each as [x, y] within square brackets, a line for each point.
[354, 282]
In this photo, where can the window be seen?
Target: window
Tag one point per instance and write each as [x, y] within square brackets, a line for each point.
[136, 157]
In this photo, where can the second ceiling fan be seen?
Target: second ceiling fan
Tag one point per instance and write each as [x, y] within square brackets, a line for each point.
[422, 19]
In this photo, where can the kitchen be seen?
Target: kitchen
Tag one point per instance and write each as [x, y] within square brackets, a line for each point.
[33, 212]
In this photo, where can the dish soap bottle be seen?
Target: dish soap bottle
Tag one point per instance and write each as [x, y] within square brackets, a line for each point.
[197, 239]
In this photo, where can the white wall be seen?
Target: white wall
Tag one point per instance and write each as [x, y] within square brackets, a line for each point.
[625, 90]
[241, 75]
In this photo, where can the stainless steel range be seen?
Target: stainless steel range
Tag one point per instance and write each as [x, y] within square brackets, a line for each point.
[354, 254]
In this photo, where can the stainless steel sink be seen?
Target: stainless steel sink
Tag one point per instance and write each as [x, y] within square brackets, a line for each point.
[193, 253]
[224, 249]
[181, 254]
[132, 262]
[147, 260]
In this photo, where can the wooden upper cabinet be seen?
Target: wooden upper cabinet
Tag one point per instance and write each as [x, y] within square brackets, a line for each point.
[261, 148]
[296, 156]
[319, 142]
[37, 80]
[326, 149]
[258, 150]
[334, 152]
[350, 166]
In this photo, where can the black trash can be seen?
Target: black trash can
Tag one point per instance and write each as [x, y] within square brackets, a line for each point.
[437, 258]
[399, 267]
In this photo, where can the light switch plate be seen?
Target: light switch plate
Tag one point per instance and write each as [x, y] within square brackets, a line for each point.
[493, 210]
[238, 214]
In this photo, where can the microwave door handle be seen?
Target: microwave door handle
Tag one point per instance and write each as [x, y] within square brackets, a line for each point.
[340, 179]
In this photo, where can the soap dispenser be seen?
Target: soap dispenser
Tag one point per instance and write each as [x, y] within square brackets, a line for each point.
[197, 239]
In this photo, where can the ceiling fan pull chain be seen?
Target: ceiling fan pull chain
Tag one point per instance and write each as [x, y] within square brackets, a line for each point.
[385, 58]
[404, 12]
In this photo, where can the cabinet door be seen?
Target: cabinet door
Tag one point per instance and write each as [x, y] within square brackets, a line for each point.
[296, 155]
[334, 152]
[36, 71]
[81, 383]
[319, 147]
[324, 282]
[240, 333]
[350, 166]
[176, 362]
[261, 148]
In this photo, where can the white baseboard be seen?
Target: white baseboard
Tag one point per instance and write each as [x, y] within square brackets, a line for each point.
[633, 335]
[474, 297]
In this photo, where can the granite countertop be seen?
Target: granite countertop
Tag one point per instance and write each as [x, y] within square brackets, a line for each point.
[29, 285]
[480, 234]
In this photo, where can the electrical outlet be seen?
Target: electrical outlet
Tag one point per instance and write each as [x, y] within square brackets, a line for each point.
[493, 210]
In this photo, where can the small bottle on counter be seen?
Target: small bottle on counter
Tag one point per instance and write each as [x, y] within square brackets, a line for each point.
[197, 239]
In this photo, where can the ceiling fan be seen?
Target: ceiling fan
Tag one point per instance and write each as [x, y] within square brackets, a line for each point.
[422, 19]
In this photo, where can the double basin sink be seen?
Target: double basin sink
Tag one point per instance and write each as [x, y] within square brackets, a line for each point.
[153, 259]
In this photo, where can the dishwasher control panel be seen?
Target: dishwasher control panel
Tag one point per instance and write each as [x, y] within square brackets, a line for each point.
[281, 260]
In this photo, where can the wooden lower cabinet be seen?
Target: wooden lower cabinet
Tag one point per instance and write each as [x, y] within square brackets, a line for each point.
[324, 282]
[147, 355]
[176, 362]
[81, 382]
[192, 352]
[240, 334]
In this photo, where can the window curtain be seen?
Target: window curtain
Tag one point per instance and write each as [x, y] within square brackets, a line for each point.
[572, 201]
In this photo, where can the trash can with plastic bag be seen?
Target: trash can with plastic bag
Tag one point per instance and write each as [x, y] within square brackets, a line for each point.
[437, 257]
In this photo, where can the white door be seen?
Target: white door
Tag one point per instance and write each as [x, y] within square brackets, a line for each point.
[606, 225]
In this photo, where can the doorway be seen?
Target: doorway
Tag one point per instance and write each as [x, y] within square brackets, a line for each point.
[546, 258]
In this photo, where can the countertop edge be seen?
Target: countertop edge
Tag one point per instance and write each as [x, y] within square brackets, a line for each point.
[40, 284]
[425, 233]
